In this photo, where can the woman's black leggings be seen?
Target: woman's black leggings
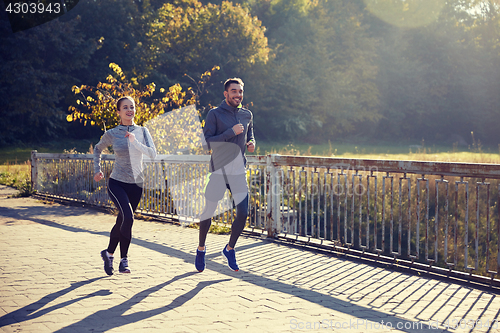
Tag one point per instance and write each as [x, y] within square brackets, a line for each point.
[126, 198]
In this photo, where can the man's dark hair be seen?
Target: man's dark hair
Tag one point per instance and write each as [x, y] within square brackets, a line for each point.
[236, 80]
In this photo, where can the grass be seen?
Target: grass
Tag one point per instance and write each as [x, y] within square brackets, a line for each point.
[15, 169]
[19, 155]
[215, 228]
[389, 151]
[474, 154]
[17, 176]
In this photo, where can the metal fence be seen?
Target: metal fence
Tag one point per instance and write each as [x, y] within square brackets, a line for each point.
[430, 216]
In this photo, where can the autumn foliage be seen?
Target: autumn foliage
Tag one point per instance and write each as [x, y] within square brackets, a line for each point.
[97, 105]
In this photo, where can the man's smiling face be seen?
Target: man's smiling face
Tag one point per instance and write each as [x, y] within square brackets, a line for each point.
[234, 94]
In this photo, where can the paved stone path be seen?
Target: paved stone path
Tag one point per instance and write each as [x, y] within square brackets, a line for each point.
[52, 280]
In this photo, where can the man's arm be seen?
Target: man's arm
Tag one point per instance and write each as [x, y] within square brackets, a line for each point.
[250, 137]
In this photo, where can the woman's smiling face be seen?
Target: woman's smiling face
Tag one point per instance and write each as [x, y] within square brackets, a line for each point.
[126, 111]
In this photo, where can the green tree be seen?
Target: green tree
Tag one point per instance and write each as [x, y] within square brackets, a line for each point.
[36, 67]
[186, 37]
[321, 80]
[480, 62]
[97, 105]
[161, 42]
[437, 81]
[118, 28]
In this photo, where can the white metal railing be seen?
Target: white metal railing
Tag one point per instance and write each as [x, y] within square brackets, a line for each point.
[440, 217]
[173, 183]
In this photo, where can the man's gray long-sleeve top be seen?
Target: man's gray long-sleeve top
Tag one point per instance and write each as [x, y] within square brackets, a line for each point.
[220, 137]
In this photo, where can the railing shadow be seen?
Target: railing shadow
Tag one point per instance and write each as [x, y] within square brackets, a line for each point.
[350, 307]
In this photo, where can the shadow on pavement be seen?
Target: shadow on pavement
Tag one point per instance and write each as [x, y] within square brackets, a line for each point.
[116, 312]
[114, 316]
[29, 312]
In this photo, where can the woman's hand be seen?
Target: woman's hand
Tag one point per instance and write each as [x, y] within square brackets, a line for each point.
[130, 136]
[98, 176]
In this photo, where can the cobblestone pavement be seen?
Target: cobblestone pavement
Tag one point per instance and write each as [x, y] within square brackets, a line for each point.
[52, 280]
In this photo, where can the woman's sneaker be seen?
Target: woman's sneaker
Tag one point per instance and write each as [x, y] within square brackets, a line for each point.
[108, 262]
[231, 259]
[123, 268]
[199, 262]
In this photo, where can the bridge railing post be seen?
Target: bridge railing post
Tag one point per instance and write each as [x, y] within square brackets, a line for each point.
[34, 171]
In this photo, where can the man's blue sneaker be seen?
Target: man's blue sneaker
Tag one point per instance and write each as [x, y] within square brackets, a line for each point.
[231, 259]
[123, 268]
[199, 262]
[108, 262]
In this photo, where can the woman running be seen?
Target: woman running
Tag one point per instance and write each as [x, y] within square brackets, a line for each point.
[129, 142]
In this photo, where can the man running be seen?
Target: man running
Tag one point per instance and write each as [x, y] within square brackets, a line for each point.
[228, 132]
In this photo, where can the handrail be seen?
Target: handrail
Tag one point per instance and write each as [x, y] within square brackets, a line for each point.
[393, 166]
